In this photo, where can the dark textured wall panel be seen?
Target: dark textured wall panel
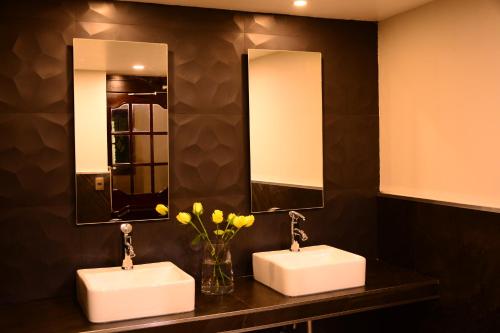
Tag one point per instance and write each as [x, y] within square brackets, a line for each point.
[41, 245]
[34, 72]
[458, 246]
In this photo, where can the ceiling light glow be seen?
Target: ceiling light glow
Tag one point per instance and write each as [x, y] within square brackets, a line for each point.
[299, 3]
[138, 67]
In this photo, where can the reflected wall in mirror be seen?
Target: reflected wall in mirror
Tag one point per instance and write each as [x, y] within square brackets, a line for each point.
[286, 130]
[121, 130]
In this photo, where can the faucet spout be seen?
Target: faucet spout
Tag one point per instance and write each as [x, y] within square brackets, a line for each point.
[296, 215]
[301, 233]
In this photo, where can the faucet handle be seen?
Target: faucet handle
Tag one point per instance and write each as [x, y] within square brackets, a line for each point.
[126, 228]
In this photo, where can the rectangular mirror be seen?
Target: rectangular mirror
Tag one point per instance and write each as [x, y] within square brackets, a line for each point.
[286, 130]
[121, 130]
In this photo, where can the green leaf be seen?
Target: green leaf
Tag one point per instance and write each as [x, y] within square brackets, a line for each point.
[219, 232]
[196, 240]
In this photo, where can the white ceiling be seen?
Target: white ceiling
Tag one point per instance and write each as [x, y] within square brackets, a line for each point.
[365, 10]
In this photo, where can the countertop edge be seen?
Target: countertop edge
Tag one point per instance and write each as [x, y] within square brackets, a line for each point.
[251, 306]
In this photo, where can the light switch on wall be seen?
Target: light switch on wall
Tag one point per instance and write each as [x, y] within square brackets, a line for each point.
[99, 183]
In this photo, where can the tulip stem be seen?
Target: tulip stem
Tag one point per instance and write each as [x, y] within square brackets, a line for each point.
[197, 230]
[234, 234]
[225, 229]
[206, 234]
[221, 275]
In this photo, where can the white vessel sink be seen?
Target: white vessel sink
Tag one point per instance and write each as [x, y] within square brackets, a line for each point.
[314, 269]
[109, 294]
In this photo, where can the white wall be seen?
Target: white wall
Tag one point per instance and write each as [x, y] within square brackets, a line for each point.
[91, 151]
[286, 118]
[440, 102]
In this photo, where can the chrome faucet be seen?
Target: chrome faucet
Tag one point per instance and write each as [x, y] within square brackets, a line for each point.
[128, 249]
[295, 231]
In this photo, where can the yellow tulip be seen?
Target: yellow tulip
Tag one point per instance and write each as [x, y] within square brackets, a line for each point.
[239, 221]
[162, 209]
[217, 216]
[197, 208]
[249, 220]
[230, 218]
[183, 218]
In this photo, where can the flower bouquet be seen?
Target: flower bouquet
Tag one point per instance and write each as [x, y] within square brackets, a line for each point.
[217, 271]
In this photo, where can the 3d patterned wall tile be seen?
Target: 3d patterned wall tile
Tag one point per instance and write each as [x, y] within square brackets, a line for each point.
[34, 74]
[208, 156]
[209, 134]
[35, 159]
[207, 73]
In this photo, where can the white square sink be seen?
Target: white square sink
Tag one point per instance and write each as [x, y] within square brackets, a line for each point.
[109, 294]
[314, 269]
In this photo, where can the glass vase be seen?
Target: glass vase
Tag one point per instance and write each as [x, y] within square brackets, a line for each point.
[217, 269]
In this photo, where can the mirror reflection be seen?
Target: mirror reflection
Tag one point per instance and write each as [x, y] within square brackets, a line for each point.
[121, 129]
[286, 130]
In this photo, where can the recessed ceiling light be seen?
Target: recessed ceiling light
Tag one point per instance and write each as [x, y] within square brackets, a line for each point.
[138, 67]
[299, 3]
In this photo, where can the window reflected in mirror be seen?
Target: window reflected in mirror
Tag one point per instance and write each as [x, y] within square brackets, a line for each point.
[121, 129]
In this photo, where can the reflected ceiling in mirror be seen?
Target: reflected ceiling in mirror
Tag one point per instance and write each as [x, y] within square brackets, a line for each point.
[286, 130]
[121, 130]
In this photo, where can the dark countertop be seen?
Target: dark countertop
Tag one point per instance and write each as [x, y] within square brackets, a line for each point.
[251, 305]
